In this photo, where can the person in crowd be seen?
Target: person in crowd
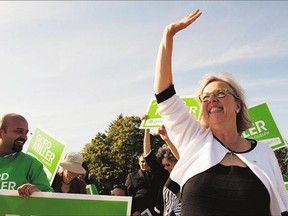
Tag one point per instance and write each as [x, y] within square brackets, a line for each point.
[19, 171]
[118, 190]
[66, 180]
[169, 157]
[90, 180]
[164, 136]
[219, 172]
[143, 186]
[167, 202]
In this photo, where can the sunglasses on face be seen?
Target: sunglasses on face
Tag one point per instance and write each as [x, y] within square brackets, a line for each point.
[218, 93]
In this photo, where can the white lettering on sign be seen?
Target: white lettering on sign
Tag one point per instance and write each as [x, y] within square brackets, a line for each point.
[192, 109]
[42, 147]
[4, 176]
[6, 185]
[259, 127]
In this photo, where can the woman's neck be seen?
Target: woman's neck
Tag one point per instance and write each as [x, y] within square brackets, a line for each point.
[65, 181]
[230, 139]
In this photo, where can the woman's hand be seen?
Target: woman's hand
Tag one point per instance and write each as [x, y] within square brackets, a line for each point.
[163, 133]
[173, 28]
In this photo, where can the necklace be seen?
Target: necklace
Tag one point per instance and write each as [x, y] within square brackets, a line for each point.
[231, 156]
[232, 153]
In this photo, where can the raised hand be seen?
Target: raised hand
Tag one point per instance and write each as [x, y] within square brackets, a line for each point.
[175, 27]
[163, 133]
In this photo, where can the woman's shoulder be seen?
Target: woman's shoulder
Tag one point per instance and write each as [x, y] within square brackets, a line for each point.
[260, 145]
[261, 151]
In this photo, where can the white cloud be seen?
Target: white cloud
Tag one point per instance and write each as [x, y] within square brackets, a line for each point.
[269, 47]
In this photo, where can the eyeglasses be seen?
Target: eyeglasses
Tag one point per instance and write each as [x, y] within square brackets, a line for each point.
[218, 93]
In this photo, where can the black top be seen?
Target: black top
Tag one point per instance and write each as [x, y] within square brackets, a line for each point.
[144, 190]
[225, 190]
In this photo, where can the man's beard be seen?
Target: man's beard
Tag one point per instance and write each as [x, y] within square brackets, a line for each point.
[18, 147]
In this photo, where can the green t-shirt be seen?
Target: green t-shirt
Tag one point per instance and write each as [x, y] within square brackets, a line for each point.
[18, 169]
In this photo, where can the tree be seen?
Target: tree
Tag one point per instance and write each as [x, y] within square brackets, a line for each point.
[281, 155]
[114, 154]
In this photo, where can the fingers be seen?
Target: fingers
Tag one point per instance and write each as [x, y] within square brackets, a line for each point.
[190, 18]
[194, 14]
[162, 130]
[26, 190]
[143, 117]
[184, 23]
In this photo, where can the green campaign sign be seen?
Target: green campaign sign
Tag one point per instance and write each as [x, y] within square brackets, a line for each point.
[264, 127]
[154, 119]
[55, 204]
[48, 150]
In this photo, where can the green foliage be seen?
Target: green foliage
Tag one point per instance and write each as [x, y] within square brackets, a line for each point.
[112, 155]
[281, 155]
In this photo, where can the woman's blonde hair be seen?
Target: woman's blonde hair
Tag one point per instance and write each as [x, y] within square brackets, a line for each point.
[242, 121]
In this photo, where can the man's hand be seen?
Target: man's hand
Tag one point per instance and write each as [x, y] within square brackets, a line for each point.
[26, 190]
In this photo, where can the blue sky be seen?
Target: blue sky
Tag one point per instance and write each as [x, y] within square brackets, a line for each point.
[73, 67]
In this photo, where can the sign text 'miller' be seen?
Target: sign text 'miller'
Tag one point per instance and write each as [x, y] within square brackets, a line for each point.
[42, 147]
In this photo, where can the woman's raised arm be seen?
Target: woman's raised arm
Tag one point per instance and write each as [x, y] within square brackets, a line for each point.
[163, 74]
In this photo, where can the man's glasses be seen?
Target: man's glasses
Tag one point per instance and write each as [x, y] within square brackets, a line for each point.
[218, 93]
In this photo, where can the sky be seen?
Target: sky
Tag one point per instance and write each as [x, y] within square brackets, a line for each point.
[72, 67]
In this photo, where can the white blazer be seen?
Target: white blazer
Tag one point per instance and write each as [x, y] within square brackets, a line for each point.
[199, 151]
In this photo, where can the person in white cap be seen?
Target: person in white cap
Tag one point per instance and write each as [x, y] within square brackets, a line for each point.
[66, 180]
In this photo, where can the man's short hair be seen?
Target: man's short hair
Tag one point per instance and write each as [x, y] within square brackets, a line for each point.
[120, 186]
